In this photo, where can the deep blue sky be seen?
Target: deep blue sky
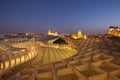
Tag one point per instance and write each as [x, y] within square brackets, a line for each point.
[91, 16]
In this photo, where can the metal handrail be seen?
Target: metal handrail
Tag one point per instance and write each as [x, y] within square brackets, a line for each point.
[23, 56]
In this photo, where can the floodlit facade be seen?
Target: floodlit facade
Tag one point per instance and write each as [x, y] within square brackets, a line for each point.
[79, 35]
[30, 33]
[113, 30]
[52, 33]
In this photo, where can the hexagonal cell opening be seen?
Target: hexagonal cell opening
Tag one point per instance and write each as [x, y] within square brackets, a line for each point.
[68, 77]
[87, 71]
[44, 76]
[27, 72]
[75, 63]
[91, 60]
[106, 66]
[115, 61]
[67, 74]
[102, 57]
[26, 77]
[116, 74]
[43, 70]
[61, 66]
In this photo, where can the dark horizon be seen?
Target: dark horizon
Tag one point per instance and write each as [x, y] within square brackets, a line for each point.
[62, 16]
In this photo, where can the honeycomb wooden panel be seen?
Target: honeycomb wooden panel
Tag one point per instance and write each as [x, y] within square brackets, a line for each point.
[95, 60]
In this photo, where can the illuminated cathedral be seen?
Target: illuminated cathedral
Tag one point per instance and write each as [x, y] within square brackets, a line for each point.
[79, 35]
[52, 33]
[113, 30]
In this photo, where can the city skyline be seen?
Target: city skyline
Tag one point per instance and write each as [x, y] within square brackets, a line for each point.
[62, 16]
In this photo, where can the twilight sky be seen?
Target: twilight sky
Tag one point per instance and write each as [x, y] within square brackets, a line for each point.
[64, 16]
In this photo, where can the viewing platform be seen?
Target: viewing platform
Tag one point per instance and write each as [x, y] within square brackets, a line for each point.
[95, 58]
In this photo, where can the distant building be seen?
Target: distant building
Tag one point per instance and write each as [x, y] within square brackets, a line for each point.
[30, 34]
[52, 33]
[79, 35]
[2, 36]
[113, 30]
[13, 34]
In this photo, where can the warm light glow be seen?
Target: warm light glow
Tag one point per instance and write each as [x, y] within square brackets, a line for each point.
[52, 33]
[115, 31]
[85, 37]
[79, 35]
[74, 36]
[111, 29]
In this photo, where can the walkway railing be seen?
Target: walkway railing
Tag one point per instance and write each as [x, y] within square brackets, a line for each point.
[9, 59]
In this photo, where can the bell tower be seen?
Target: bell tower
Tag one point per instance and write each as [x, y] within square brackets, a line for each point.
[49, 32]
[79, 34]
